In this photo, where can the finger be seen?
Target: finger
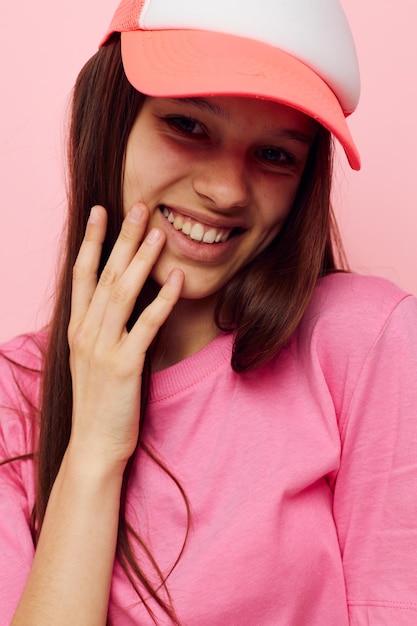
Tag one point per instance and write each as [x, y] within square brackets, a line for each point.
[156, 314]
[124, 250]
[84, 279]
[125, 292]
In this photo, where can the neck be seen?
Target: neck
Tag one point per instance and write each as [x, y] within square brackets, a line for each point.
[189, 328]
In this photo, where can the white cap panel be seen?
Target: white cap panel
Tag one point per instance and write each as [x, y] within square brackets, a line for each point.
[314, 31]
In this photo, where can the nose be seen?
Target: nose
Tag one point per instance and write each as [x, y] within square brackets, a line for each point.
[222, 178]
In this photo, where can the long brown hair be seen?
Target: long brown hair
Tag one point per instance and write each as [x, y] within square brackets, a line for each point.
[262, 305]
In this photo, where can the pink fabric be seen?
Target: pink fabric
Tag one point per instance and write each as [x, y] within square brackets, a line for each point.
[302, 477]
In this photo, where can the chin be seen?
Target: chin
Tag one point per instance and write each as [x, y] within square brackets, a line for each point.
[197, 285]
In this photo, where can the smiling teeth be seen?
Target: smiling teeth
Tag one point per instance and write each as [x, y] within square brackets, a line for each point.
[197, 231]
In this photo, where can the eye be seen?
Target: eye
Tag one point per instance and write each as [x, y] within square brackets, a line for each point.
[185, 125]
[276, 156]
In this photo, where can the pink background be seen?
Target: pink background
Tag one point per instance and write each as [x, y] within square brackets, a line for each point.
[42, 48]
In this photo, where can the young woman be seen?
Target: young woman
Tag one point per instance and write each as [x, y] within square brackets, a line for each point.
[218, 426]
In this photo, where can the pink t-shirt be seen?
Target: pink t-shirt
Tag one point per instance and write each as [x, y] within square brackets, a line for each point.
[302, 476]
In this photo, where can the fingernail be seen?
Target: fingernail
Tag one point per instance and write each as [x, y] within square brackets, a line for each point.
[153, 236]
[175, 277]
[135, 214]
[94, 215]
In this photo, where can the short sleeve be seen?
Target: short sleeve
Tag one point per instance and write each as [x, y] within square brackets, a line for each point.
[19, 380]
[375, 493]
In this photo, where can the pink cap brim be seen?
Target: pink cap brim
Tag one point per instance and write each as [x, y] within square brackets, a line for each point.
[187, 63]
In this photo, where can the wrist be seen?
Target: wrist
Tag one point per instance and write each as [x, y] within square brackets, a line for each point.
[88, 462]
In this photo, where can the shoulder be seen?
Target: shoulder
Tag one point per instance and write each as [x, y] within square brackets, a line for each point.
[345, 294]
[21, 364]
[357, 328]
[349, 307]
[21, 361]
[25, 349]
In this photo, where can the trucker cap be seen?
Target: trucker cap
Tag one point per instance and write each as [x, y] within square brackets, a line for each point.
[297, 52]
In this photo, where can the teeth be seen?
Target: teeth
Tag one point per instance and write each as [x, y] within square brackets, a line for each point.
[186, 229]
[178, 223]
[196, 231]
[210, 236]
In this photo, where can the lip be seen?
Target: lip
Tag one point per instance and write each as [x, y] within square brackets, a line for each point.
[218, 222]
[185, 247]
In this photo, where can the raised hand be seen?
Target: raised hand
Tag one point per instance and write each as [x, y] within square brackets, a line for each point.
[106, 360]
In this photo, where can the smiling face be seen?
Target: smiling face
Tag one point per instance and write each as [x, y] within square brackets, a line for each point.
[219, 176]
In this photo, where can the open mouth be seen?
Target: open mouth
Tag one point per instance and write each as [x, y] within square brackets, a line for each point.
[197, 231]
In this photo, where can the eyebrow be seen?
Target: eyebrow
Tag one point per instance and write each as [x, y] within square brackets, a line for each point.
[215, 109]
[202, 104]
[293, 135]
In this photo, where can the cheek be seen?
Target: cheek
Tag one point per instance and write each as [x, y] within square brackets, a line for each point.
[278, 202]
[132, 183]
[139, 173]
[149, 170]
[277, 205]
[129, 193]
